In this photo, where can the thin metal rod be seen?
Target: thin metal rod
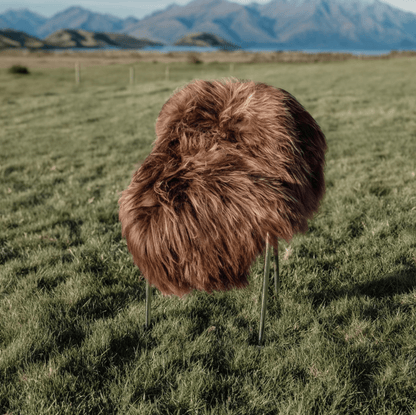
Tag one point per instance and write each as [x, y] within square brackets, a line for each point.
[148, 302]
[276, 269]
[265, 289]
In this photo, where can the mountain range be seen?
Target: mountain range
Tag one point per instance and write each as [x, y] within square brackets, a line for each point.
[343, 24]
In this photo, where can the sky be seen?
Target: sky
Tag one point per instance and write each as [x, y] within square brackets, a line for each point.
[137, 8]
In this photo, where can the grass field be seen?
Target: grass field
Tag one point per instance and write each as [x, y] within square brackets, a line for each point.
[340, 338]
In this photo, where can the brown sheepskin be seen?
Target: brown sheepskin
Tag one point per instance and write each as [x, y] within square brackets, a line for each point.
[232, 161]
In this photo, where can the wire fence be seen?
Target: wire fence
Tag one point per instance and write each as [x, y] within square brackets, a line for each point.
[131, 73]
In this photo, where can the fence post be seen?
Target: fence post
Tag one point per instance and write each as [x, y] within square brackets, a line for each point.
[167, 73]
[77, 73]
[132, 75]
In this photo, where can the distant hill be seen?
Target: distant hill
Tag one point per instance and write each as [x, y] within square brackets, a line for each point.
[83, 38]
[126, 42]
[72, 39]
[205, 40]
[280, 24]
[15, 39]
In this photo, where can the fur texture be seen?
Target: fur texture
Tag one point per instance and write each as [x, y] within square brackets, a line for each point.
[232, 161]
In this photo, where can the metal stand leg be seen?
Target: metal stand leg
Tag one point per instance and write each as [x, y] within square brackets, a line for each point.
[276, 269]
[148, 302]
[265, 287]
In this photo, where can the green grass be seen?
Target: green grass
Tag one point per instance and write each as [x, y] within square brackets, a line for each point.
[340, 337]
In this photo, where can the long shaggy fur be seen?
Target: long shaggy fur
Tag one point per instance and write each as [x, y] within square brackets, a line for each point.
[231, 162]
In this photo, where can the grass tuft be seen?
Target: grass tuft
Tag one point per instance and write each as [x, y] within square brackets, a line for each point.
[19, 69]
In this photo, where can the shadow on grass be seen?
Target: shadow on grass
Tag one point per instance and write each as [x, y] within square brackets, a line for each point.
[399, 282]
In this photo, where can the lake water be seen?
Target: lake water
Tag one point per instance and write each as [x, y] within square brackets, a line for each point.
[167, 49]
